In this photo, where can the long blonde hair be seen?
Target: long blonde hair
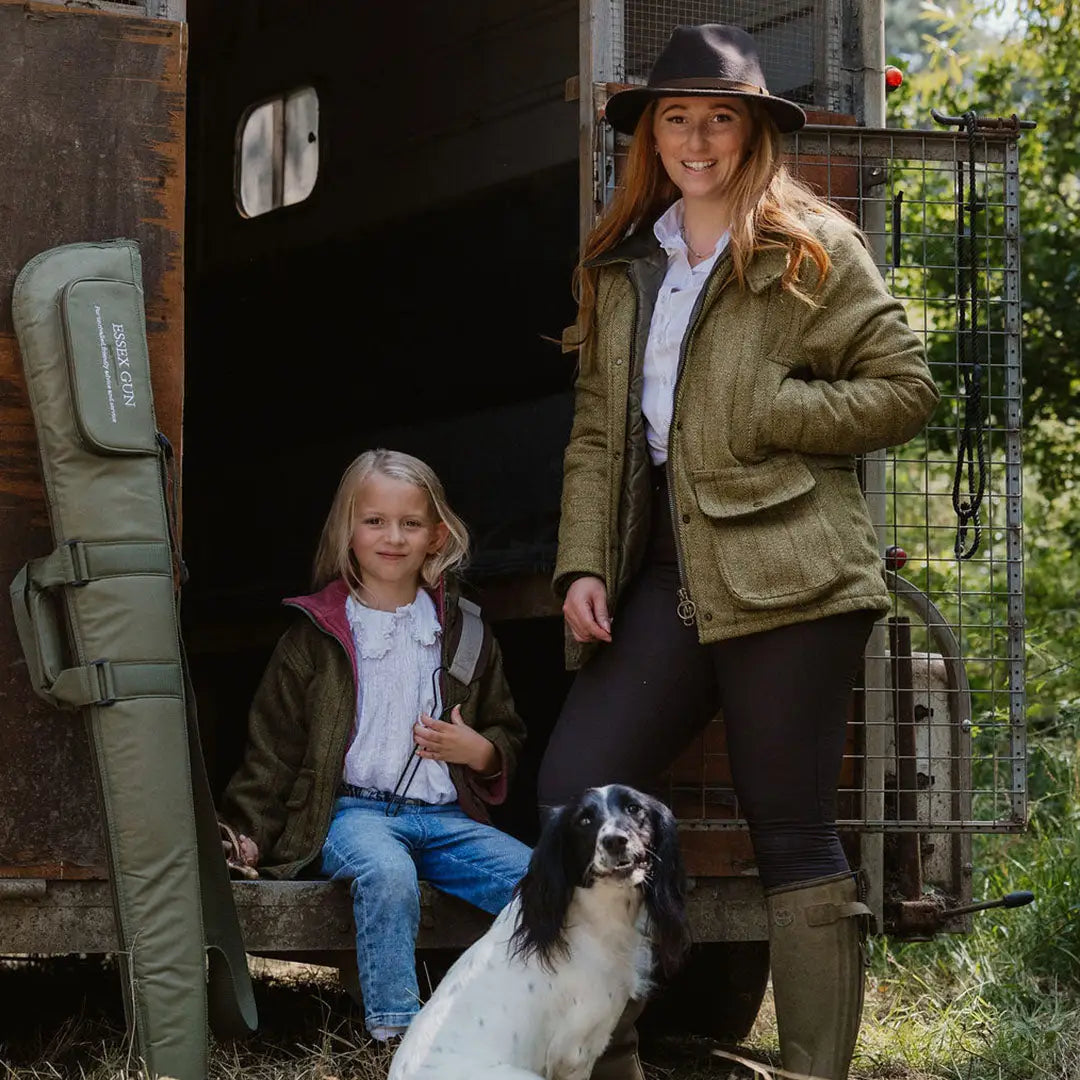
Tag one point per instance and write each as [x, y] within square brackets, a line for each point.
[334, 557]
[767, 208]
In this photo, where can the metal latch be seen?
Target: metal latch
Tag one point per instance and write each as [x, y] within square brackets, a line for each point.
[922, 918]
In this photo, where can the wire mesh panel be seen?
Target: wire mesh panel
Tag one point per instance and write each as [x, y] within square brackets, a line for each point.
[798, 40]
[936, 740]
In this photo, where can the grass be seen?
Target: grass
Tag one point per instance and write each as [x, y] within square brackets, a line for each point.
[1002, 1003]
[65, 1022]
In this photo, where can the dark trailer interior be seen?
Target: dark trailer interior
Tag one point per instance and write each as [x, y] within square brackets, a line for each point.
[369, 214]
[405, 296]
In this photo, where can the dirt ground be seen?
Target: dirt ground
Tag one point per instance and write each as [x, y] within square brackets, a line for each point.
[63, 1019]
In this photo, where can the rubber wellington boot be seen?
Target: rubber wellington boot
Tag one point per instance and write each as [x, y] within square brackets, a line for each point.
[815, 943]
[619, 1060]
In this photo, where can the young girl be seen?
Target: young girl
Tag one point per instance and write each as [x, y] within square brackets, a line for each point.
[381, 729]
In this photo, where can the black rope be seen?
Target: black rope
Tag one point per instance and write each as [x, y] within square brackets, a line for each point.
[400, 792]
[971, 444]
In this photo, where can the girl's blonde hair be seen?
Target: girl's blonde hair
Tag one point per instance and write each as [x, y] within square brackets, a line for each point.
[767, 208]
[334, 557]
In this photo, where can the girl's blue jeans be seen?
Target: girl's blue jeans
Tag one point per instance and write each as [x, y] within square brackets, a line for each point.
[383, 858]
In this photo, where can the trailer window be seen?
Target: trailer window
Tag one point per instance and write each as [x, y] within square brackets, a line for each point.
[277, 152]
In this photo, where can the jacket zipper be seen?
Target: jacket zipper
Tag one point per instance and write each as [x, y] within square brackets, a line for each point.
[343, 748]
[686, 608]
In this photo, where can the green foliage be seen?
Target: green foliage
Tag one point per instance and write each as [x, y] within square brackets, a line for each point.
[913, 31]
[1030, 71]
[1004, 1001]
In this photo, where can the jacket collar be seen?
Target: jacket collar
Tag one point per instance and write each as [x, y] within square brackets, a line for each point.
[638, 245]
[326, 608]
[765, 267]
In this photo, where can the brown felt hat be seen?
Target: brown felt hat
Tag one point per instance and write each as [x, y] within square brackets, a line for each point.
[704, 61]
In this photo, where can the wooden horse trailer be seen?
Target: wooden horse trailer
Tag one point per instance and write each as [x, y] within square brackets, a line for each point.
[339, 201]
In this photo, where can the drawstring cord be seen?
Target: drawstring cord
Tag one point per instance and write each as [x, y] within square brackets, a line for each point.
[971, 443]
[398, 795]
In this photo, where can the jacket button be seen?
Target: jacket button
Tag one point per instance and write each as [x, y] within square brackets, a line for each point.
[686, 519]
[616, 454]
[708, 616]
[757, 504]
[618, 362]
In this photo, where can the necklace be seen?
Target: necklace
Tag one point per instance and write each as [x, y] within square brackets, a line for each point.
[686, 241]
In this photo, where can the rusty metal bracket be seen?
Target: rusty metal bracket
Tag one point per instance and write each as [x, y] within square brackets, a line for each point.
[988, 123]
[928, 915]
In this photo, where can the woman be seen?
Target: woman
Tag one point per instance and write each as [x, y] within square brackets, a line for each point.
[738, 348]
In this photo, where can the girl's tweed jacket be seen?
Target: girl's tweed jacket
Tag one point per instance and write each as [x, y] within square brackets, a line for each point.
[301, 721]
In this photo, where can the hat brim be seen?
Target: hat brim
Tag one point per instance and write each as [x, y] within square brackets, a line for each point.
[624, 109]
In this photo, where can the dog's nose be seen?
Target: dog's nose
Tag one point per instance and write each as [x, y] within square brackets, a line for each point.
[614, 843]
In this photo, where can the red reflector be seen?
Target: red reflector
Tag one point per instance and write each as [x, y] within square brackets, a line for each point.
[895, 558]
[893, 77]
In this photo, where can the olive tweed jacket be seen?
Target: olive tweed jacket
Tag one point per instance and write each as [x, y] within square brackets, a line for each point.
[773, 399]
[301, 720]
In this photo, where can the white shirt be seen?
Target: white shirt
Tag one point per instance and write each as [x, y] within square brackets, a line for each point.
[397, 653]
[674, 304]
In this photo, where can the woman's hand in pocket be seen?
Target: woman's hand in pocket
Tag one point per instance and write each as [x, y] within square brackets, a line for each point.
[586, 610]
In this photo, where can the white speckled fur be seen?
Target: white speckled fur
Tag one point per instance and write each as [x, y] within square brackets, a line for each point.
[498, 1017]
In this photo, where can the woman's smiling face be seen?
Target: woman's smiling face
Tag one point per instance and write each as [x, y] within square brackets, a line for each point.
[701, 141]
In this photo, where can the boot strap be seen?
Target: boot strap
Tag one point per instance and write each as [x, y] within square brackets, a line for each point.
[827, 914]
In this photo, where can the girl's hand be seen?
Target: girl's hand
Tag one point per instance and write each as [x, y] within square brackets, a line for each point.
[241, 852]
[455, 743]
[249, 850]
[585, 610]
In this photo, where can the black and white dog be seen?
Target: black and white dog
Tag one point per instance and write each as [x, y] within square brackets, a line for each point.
[537, 997]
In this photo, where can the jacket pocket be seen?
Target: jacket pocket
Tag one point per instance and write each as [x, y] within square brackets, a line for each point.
[301, 789]
[774, 545]
[756, 387]
[294, 839]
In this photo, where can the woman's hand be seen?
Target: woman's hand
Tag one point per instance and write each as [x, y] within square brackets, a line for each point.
[455, 743]
[585, 610]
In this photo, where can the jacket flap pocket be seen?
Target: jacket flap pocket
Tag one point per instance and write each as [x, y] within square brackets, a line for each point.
[748, 489]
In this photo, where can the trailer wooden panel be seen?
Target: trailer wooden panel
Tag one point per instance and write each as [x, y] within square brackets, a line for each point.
[71, 172]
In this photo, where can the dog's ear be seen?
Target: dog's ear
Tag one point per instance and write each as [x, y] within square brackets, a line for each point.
[545, 892]
[665, 890]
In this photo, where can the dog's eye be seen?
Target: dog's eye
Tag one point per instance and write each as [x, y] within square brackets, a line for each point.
[633, 808]
[585, 820]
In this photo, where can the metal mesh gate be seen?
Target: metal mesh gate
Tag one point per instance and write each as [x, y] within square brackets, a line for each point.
[798, 40]
[936, 740]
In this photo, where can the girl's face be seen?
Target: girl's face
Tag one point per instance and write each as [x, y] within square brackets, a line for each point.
[701, 141]
[394, 531]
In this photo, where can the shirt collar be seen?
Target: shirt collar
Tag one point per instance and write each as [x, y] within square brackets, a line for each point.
[668, 229]
[375, 629]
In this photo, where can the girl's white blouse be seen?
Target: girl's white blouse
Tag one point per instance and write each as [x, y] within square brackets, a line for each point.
[397, 653]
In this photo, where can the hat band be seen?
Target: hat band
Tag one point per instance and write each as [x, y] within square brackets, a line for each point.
[712, 84]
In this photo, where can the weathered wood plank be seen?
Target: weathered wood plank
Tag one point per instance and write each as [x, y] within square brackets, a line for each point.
[91, 148]
[307, 917]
